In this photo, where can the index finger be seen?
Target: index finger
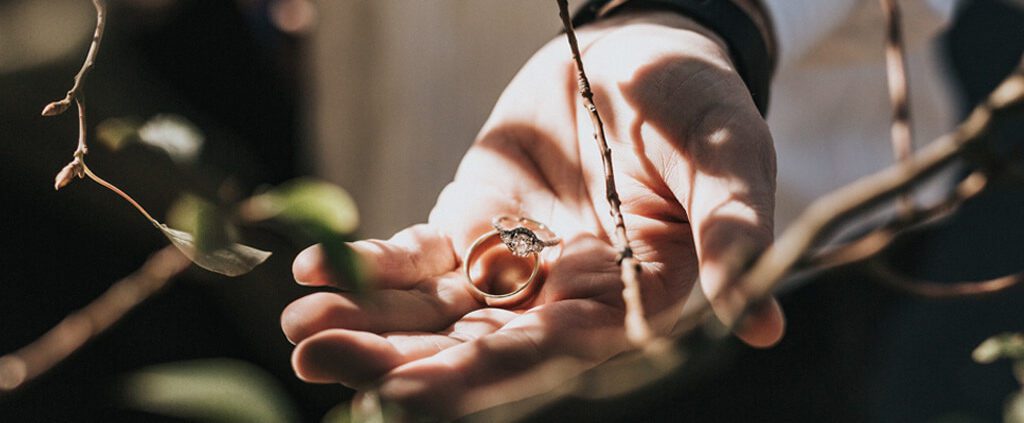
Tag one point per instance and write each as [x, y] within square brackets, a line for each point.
[410, 256]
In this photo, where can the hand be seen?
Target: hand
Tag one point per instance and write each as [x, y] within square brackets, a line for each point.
[695, 170]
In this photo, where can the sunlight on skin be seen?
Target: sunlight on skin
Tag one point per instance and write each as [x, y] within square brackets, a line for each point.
[701, 182]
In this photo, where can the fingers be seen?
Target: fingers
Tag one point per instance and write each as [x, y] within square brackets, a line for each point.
[356, 358]
[694, 128]
[729, 193]
[430, 306]
[731, 207]
[344, 356]
[691, 118]
[763, 325]
[415, 253]
[555, 342]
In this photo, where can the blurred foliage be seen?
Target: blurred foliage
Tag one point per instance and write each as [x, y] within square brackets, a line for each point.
[211, 390]
[341, 413]
[314, 205]
[173, 135]
[317, 211]
[204, 231]
[116, 133]
[206, 221]
[1014, 412]
[1004, 345]
[1008, 346]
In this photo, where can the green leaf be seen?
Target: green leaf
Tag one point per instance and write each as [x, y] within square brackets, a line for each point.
[306, 202]
[1018, 371]
[343, 262]
[321, 213]
[1014, 411]
[115, 133]
[1004, 345]
[233, 260]
[205, 236]
[218, 390]
[204, 220]
[174, 135]
[340, 413]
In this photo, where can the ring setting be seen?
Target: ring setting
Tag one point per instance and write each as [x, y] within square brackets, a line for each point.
[524, 238]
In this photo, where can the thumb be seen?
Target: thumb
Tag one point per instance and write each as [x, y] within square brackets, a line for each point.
[726, 244]
[728, 191]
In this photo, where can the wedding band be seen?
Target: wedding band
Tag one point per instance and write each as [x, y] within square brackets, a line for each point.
[524, 238]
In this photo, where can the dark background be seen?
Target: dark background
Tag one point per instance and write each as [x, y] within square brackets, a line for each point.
[854, 350]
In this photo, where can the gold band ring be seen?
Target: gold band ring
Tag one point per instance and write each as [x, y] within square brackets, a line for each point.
[524, 238]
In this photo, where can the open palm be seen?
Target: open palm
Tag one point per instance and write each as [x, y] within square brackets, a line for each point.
[695, 171]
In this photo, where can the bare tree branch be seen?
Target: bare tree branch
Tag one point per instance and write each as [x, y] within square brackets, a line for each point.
[75, 330]
[58, 107]
[896, 71]
[637, 328]
[76, 168]
[828, 212]
[938, 290]
[878, 240]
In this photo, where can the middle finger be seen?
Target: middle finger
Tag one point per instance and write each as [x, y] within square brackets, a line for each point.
[431, 305]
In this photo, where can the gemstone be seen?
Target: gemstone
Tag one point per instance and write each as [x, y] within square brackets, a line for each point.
[521, 242]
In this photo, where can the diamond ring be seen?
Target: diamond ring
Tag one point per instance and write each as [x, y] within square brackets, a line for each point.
[523, 236]
[506, 280]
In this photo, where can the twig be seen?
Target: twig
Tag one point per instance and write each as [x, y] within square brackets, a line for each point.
[77, 167]
[793, 253]
[867, 249]
[58, 107]
[122, 194]
[32, 360]
[939, 290]
[830, 211]
[896, 72]
[878, 240]
[75, 330]
[638, 330]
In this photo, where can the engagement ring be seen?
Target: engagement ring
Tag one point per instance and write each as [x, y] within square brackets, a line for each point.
[506, 283]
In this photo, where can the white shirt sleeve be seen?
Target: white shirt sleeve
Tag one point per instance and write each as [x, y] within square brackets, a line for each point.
[830, 113]
[800, 25]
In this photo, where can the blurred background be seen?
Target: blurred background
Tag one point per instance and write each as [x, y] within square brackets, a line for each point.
[383, 98]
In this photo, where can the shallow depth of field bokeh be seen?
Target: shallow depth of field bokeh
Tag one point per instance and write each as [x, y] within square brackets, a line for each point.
[383, 98]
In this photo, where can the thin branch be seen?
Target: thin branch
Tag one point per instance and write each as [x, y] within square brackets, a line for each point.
[896, 72]
[868, 248]
[76, 168]
[787, 256]
[637, 328]
[58, 107]
[828, 212]
[939, 290]
[75, 330]
[119, 192]
[793, 253]
[878, 240]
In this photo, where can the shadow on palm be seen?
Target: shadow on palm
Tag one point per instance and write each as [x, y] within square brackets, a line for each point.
[688, 151]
